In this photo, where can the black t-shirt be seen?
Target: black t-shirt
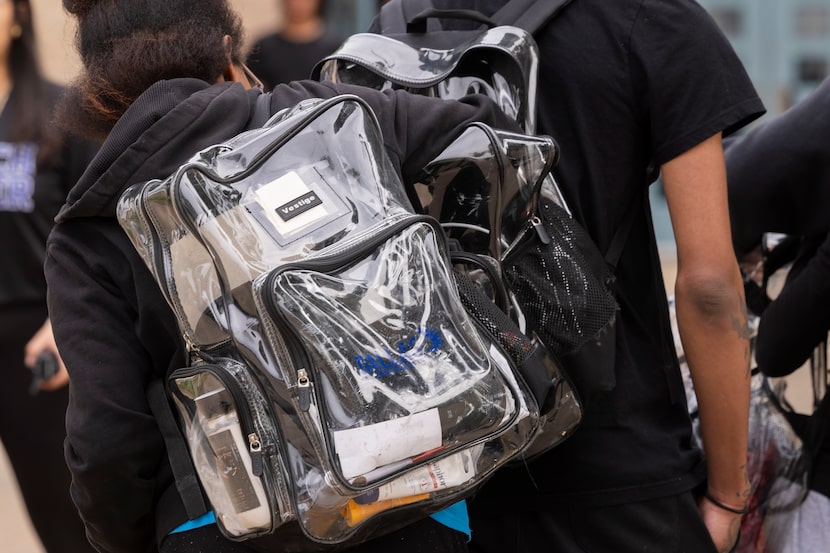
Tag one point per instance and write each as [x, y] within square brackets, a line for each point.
[31, 193]
[276, 60]
[625, 86]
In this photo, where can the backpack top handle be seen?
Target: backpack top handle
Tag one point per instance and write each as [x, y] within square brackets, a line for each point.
[530, 15]
[418, 24]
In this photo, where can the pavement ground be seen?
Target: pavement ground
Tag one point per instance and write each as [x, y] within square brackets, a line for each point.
[16, 532]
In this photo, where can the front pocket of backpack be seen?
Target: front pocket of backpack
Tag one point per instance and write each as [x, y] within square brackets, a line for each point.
[396, 369]
[234, 447]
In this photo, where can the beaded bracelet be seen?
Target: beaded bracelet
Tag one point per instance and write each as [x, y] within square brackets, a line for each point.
[717, 503]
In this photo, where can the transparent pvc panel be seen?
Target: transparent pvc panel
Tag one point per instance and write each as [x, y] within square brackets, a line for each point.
[391, 352]
[273, 195]
[483, 187]
[395, 380]
[179, 261]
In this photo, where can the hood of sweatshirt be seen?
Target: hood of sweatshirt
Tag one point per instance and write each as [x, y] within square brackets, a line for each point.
[163, 128]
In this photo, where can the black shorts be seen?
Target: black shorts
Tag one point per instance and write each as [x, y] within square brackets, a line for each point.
[666, 525]
[424, 536]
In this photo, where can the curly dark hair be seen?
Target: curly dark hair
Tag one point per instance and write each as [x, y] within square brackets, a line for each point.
[127, 45]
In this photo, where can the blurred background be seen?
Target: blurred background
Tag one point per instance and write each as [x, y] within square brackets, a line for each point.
[784, 44]
[56, 30]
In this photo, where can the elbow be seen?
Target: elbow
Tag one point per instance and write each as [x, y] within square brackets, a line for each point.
[710, 294]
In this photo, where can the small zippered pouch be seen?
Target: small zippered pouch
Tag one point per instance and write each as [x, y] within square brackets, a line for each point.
[234, 446]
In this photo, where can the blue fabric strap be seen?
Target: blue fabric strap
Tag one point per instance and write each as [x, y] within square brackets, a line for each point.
[456, 517]
[204, 520]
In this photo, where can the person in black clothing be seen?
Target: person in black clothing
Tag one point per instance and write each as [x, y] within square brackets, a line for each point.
[291, 53]
[157, 102]
[38, 166]
[779, 181]
[628, 88]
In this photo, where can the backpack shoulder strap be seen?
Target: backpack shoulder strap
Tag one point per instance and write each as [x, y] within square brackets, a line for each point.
[395, 14]
[530, 15]
[184, 472]
[612, 255]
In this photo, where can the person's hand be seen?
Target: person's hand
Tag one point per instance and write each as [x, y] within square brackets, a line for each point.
[43, 340]
[724, 526]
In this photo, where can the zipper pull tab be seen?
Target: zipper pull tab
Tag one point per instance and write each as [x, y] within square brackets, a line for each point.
[255, 450]
[541, 232]
[304, 390]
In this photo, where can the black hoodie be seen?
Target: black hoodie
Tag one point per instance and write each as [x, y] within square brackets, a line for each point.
[115, 331]
[779, 173]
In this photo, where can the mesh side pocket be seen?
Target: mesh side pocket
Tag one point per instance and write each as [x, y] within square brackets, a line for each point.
[562, 286]
[500, 327]
[551, 388]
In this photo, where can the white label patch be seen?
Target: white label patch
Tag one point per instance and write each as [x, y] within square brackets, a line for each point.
[290, 204]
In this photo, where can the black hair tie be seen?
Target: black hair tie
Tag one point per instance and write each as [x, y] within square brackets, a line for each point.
[717, 503]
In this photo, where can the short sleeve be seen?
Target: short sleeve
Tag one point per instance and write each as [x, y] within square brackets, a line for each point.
[693, 83]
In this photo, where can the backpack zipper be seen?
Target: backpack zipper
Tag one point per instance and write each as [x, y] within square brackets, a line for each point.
[256, 446]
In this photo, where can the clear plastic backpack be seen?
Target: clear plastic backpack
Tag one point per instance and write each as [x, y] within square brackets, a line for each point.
[339, 386]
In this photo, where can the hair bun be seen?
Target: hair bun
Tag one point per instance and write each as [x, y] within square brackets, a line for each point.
[78, 7]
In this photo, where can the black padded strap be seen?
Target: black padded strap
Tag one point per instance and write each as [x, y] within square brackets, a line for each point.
[530, 15]
[187, 483]
[418, 24]
[612, 255]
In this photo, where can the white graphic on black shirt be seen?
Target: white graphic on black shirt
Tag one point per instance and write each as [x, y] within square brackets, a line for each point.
[17, 176]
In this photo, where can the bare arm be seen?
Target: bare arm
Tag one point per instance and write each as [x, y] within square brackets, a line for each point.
[711, 316]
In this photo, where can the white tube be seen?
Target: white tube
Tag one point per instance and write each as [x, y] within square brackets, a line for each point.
[448, 472]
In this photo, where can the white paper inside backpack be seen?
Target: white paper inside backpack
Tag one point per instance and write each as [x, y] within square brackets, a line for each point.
[366, 448]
